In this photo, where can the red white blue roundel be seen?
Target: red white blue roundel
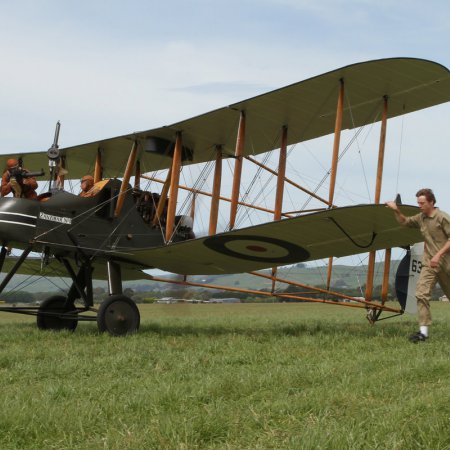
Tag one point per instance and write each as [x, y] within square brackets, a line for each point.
[258, 248]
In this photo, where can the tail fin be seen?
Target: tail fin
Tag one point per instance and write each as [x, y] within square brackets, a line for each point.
[406, 278]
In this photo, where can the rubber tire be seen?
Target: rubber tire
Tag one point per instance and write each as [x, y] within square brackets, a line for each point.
[55, 304]
[118, 315]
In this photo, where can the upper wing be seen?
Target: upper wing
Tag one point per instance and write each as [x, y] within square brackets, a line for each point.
[308, 108]
[336, 232]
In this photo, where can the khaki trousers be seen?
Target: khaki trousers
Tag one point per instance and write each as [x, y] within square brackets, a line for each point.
[427, 280]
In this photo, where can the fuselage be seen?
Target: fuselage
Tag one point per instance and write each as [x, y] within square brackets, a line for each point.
[65, 224]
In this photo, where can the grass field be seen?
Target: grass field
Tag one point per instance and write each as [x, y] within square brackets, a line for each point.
[240, 376]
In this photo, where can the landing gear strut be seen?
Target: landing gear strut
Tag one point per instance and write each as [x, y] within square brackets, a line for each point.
[118, 315]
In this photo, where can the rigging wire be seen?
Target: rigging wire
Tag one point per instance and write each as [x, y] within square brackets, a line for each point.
[327, 174]
[256, 177]
[197, 186]
[31, 279]
[262, 190]
[341, 155]
[305, 129]
[359, 148]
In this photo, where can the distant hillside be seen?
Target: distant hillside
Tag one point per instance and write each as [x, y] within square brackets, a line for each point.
[343, 276]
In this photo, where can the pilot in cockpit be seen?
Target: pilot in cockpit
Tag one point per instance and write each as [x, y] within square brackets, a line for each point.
[89, 188]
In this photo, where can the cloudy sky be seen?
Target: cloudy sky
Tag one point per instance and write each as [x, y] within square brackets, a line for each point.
[107, 68]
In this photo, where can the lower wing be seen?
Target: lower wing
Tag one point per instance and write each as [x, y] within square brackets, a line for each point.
[335, 232]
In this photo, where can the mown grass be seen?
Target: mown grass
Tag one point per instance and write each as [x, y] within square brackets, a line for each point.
[259, 376]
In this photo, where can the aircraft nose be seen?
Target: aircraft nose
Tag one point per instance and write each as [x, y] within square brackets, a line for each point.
[18, 218]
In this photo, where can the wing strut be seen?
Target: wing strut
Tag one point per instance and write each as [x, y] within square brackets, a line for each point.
[226, 199]
[15, 268]
[371, 264]
[126, 179]
[387, 268]
[293, 183]
[98, 166]
[192, 210]
[174, 183]
[137, 175]
[334, 162]
[240, 142]
[163, 198]
[354, 303]
[214, 213]
[280, 186]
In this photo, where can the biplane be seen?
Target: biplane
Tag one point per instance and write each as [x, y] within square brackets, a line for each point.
[126, 228]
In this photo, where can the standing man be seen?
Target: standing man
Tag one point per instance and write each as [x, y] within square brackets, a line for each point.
[434, 225]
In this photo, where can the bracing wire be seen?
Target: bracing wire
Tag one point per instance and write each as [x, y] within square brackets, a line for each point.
[341, 155]
[197, 186]
[359, 148]
[263, 188]
[306, 127]
[243, 212]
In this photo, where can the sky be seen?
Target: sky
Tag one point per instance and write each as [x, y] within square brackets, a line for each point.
[108, 68]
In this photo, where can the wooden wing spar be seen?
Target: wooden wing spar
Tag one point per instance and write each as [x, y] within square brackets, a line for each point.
[335, 232]
[307, 109]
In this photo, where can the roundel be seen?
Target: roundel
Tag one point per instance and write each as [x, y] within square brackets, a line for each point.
[257, 248]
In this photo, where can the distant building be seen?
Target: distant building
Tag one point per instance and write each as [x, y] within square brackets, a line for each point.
[167, 300]
[444, 298]
[224, 300]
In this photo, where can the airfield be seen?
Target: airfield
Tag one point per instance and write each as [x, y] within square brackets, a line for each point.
[185, 100]
[202, 376]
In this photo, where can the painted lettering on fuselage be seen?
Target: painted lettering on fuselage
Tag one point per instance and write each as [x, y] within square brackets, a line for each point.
[59, 219]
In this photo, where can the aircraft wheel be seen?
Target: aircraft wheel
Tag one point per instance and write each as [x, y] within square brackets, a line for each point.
[118, 315]
[48, 317]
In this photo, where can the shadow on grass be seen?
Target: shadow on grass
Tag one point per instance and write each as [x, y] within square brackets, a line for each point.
[314, 328]
[340, 329]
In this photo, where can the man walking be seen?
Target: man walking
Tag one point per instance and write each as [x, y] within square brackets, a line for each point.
[434, 225]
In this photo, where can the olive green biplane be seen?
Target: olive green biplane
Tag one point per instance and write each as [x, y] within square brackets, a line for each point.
[125, 229]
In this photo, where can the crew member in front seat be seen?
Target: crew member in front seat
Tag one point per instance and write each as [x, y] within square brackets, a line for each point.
[13, 180]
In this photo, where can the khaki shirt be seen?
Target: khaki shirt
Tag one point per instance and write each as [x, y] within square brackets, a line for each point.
[435, 230]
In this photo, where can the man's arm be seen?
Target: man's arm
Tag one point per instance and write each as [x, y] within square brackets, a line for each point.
[398, 215]
[434, 262]
[30, 182]
[6, 185]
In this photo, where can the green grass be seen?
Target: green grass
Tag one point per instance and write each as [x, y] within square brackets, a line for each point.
[245, 376]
